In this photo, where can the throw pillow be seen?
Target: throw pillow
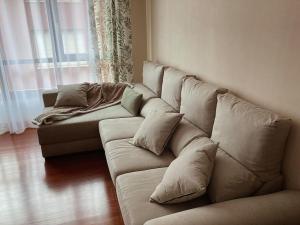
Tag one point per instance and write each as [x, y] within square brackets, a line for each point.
[188, 176]
[155, 131]
[72, 95]
[131, 101]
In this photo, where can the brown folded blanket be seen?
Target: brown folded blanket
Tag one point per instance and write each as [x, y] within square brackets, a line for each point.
[99, 96]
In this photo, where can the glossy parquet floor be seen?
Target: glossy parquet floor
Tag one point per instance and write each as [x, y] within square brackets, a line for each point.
[69, 190]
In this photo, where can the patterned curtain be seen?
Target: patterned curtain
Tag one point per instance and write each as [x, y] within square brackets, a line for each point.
[113, 39]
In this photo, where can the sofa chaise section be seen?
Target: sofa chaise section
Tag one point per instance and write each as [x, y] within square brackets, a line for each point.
[79, 133]
[76, 134]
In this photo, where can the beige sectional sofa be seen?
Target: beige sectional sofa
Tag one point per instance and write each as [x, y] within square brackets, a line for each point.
[136, 172]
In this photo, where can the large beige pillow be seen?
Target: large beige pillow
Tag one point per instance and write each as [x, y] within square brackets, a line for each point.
[72, 95]
[156, 130]
[199, 102]
[188, 176]
[254, 139]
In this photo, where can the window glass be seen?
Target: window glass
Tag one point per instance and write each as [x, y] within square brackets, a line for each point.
[43, 43]
[73, 24]
[74, 41]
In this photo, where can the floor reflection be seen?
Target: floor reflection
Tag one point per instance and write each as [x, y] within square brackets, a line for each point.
[73, 189]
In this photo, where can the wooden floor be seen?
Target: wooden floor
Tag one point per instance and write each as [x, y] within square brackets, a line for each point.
[65, 190]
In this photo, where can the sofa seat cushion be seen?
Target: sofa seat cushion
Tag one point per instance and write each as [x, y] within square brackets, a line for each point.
[171, 87]
[156, 104]
[79, 127]
[184, 133]
[146, 92]
[134, 190]
[281, 208]
[123, 157]
[119, 128]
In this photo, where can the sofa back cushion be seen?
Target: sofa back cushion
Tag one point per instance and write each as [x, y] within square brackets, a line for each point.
[251, 136]
[231, 179]
[156, 104]
[199, 102]
[152, 76]
[171, 87]
[146, 92]
[184, 134]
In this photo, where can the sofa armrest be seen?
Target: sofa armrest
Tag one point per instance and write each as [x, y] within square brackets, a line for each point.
[49, 97]
[281, 208]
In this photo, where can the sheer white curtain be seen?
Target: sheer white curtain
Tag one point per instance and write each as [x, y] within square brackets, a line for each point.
[43, 43]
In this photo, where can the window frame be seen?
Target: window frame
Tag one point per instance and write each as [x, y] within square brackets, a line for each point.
[59, 56]
[56, 36]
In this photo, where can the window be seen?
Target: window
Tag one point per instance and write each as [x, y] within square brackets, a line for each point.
[44, 43]
[62, 36]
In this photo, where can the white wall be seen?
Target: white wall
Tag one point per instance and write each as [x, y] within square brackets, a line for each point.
[251, 47]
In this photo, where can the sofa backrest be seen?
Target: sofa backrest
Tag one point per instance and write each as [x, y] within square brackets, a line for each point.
[199, 102]
[153, 76]
[145, 91]
[185, 133]
[171, 87]
[155, 104]
[251, 144]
